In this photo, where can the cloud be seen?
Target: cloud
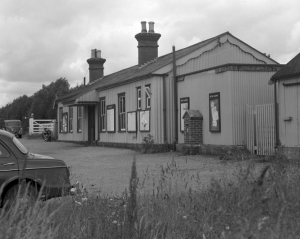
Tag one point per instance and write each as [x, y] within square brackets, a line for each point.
[43, 40]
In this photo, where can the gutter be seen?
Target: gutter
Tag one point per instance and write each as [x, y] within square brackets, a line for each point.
[229, 64]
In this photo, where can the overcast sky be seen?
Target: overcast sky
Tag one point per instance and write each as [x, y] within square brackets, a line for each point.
[43, 40]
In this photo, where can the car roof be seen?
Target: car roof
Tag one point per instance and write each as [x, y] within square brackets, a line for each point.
[5, 134]
[12, 120]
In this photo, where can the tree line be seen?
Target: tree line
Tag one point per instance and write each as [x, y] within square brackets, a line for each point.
[40, 104]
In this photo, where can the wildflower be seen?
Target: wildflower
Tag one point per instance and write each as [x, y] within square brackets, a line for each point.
[227, 227]
[261, 222]
[113, 213]
[78, 203]
[114, 222]
[184, 217]
[84, 199]
[73, 190]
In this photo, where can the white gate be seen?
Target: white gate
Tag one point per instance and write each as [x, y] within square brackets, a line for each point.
[37, 126]
[260, 125]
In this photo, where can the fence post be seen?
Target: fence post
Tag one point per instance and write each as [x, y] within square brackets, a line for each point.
[30, 126]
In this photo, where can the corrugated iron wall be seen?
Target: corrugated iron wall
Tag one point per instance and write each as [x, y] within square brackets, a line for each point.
[219, 55]
[248, 88]
[289, 106]
[156, 112]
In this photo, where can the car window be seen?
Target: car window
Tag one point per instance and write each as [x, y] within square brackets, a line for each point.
[20, 146]
[3, 152]
[12, 123]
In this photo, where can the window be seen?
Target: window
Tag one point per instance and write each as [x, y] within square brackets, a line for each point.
[79, 119]
[148, 98]
[71, 119]
[122, 112]
[3, 152]
[60, 116]
[102, 115]
[65, 122]
[139, 98]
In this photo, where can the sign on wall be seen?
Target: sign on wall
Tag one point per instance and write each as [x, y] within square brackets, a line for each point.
[110, 111]
[131, 121]
[214, 112]
[145, 120]
[184, 106]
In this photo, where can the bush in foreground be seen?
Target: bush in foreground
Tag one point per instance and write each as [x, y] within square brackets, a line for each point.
[255, 205]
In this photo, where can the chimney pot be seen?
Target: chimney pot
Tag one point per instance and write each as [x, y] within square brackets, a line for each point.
[144, 29]
[151, 27]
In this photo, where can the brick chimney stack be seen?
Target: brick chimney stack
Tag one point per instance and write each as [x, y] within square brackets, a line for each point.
[96, 65]
[147, 43]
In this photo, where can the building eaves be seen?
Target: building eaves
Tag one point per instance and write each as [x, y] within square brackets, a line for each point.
[291, 69]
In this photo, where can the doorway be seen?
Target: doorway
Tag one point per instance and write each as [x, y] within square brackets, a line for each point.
[91, 124]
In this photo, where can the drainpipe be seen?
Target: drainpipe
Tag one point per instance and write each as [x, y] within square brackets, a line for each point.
[276, 117]
[175, 99]
[164, 110]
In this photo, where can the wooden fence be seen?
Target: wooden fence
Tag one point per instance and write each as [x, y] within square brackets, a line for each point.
[260, 125]
[37, 126]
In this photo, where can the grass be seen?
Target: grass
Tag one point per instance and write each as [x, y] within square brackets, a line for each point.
[262, 204]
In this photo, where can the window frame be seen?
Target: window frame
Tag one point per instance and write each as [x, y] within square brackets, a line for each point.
[71, 110]
[122, 112]
[102, 115]
[139, 98]
[60, 116]
[79, 119]
[65, 128]
[147, 97]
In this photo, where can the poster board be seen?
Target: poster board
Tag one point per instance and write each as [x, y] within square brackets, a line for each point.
[131, 121]
[145, 120]
[184, 106]
[110, 111]
[214, 112]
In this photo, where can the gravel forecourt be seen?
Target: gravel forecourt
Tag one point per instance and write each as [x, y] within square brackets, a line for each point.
[107, 170]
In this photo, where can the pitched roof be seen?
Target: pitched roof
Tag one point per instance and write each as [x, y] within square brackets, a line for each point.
[292, 68]
[131, 73]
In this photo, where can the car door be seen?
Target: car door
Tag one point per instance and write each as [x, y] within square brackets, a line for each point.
[8, 164]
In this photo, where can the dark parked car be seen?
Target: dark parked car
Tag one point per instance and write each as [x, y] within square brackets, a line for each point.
[14, 127]
[19, 166]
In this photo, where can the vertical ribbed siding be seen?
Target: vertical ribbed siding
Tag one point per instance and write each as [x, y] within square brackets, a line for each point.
[248, 88]
[156, 111]
[289, 106]
[219, 55]
[170, 107]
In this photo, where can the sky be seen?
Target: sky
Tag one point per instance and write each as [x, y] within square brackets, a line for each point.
[44, 40]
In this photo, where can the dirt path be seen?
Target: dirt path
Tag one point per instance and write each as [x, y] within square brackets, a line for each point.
[107, 170]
